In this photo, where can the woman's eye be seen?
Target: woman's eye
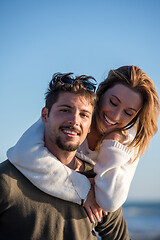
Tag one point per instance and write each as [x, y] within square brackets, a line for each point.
[113, 103]
[129, 114]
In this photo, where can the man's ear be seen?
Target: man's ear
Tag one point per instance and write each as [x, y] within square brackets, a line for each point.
[44, 114]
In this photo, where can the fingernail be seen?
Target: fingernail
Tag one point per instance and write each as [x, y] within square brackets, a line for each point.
[100, 220]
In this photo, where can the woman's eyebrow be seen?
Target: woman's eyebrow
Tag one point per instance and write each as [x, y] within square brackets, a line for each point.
[116, 98]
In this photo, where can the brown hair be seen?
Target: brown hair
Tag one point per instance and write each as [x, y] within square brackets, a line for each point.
[145, 123]
[82, 85]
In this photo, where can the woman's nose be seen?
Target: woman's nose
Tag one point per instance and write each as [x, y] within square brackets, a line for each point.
[117, 115]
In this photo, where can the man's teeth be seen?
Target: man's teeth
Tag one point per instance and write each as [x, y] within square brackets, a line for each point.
[70, 132]
[109, 121]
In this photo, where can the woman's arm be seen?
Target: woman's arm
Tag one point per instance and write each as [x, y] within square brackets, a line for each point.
[115, 170]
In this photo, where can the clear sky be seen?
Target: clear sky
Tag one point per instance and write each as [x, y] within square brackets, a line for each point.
[39, 38]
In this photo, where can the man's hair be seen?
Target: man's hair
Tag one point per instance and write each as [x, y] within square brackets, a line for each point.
[82, 85]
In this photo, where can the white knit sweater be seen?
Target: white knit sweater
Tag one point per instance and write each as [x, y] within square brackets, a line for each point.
[112, 164]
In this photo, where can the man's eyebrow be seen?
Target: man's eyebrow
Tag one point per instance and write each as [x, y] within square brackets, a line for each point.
[65, 105]
[120, 102]
[68, 106]
[86, 111]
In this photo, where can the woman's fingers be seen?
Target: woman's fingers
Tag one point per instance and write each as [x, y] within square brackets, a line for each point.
[89, 212]
[91, 206]
[97, 213]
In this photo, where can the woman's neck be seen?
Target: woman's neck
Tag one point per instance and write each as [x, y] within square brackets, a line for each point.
[93, 138]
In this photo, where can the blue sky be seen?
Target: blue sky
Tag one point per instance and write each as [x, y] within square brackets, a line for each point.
[39, 38]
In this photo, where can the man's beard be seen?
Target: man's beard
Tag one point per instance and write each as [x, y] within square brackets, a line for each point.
[65, 146]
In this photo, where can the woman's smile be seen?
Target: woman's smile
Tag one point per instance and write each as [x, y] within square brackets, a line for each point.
[109, 121]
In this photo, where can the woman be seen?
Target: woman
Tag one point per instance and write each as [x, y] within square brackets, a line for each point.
[125, 119]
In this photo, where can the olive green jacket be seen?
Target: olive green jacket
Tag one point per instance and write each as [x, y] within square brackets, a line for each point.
[27, 213]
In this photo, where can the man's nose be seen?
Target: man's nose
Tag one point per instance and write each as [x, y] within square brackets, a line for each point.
[74, 120]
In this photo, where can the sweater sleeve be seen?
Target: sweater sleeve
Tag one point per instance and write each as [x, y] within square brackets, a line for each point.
[44, 170]
[115, 169]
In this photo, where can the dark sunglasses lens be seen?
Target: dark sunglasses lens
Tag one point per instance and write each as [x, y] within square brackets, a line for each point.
[86, 84]
[67, 80]
[89, 86]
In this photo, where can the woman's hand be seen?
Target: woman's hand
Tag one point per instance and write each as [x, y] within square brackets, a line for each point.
[117, 135]
[91, 206]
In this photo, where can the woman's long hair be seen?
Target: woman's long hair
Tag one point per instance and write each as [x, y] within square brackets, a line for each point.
[145, 122]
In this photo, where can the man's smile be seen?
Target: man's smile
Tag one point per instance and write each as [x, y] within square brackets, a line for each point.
[70, 130]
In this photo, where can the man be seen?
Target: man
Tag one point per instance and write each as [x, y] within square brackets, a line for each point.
[28, 213]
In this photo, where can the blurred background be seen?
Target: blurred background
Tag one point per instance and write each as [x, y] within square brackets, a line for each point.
[39, 38]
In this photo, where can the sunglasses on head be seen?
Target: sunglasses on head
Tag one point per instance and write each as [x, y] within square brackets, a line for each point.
[71, 81]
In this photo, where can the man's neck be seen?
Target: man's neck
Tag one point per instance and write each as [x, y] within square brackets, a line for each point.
[65, 157]
[70, 160]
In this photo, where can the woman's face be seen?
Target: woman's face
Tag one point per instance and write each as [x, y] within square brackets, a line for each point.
[118, 106]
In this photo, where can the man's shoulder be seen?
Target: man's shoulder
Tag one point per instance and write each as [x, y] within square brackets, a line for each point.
[6, 166]
[8, 171]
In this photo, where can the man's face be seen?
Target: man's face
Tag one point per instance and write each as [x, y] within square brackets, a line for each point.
[68, 122]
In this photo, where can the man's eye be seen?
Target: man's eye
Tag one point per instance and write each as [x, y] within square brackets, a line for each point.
[63, 110]
[113, 103]
[84, 115]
